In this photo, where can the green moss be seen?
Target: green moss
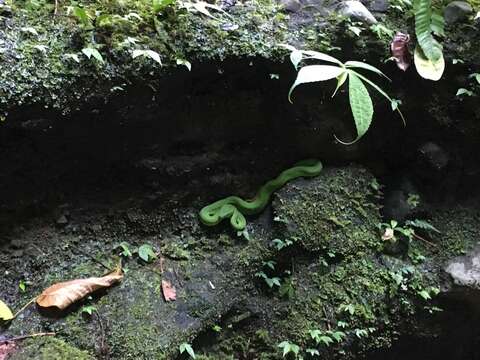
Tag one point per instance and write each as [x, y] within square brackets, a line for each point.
[335, 216]
[49, 348]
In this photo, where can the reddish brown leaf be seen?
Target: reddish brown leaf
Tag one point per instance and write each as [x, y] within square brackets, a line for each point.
[169, 292]
[63, 294]
[6, 349]
[400, 53]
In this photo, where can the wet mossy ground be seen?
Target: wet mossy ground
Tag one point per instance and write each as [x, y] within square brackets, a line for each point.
[223, 307]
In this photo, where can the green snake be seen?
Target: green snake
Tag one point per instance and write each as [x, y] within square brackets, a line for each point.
[235, 208]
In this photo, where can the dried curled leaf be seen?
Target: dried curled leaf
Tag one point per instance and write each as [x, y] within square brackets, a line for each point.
[169, 292]
[399, 48]
[62, 295]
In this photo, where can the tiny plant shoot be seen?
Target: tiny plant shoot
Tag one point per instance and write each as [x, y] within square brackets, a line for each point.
[360, 100]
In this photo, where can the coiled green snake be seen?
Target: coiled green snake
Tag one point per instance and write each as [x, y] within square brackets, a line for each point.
[236, 208]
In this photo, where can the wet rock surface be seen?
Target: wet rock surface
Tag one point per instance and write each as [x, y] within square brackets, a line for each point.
[330, 265]
[457, 11]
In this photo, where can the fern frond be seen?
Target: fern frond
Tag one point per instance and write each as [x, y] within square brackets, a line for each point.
[423, 29]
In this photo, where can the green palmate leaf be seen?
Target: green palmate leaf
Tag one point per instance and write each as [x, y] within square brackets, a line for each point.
[362, 65]
[321, 56]
[361, 105]
[427, 68]
[295, 57]
[313, 73]
[423, 29]
[393, 102]
[5, 312]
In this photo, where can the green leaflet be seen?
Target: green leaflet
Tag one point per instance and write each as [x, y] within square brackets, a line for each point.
[361, 105]
[314, 73]
[423, 29]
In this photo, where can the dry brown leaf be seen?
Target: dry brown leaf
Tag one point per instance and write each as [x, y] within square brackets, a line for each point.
[63, 294]
[169, 292]
[399, 48]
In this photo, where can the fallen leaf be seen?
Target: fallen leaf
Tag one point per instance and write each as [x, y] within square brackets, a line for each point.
[169, 292]
[5, 312]
[63, 294]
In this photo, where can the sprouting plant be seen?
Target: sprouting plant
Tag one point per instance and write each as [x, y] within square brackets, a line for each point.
[313, 352]
[381, 31]
[347, 308]
[202, 7]
[413, 200]
[217, 328]
[146, 253]
[88, 309]
[159, 5]
[288, 347]
[390, 230]
[125, 250]
[186, 347]
[327, 337]
[361, 333]
[81, 15]
[360, 100]
[271, 282]
[287, 289]
[22, 285]
[470, 92]
[428, 56]
[427, 294]
[281, 244]
[91, 52]
[147, 54]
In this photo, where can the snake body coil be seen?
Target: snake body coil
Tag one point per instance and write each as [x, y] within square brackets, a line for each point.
[236, 208]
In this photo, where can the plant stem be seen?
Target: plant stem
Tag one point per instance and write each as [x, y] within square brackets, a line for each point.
[24, 307]
[23, 337]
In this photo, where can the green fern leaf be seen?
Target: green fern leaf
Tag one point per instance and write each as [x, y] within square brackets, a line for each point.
[423, 29]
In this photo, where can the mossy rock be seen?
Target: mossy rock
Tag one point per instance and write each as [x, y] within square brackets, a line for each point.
[49, 348]
[334, 212]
